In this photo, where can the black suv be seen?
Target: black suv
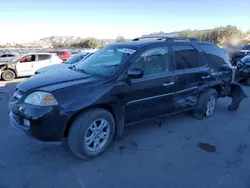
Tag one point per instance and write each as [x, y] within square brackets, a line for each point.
[121, 84]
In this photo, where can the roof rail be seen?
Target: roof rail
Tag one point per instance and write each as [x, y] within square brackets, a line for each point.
[160, 37]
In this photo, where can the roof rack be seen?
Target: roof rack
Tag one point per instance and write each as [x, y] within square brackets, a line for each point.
[160, 37]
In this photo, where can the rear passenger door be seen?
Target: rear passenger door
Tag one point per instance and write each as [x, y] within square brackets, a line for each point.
[191, 72]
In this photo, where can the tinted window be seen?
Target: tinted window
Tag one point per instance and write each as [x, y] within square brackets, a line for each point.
[43, 57]
[60, 53]
[214, 56]
[153, 61]
[247, 47]
[186, 57]
[10, 55]
[4, 55]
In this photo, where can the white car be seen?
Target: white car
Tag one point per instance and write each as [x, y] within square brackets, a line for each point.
[26, 65]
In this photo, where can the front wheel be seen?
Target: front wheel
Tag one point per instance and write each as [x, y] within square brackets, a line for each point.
[206, 104]
[91, 133]
[8, 75]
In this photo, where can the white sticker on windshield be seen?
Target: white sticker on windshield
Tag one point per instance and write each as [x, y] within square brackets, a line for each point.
[126, 50]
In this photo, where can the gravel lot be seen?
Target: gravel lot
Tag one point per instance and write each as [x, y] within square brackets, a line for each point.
[183, 152]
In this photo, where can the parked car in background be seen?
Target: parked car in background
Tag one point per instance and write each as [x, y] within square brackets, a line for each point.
[71, 61]
[242, 73]
[121, 84]
[62, 54]
[227, 54]
[26, 65]
[7, 57]
[237, 55]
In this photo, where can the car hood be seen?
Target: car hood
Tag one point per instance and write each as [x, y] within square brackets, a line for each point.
[55, 80]
[55, 67]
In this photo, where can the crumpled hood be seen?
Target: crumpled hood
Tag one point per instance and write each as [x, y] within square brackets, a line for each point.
[54, 80]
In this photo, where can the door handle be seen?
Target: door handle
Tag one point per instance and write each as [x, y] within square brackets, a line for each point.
[168, 84]
[205, 77]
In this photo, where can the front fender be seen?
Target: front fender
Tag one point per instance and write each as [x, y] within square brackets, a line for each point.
[237, 94]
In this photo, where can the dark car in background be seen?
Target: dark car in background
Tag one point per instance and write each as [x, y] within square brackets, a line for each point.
[122, 84]
[237, 55]
[62, 54]
[70, 62]
[242, 73]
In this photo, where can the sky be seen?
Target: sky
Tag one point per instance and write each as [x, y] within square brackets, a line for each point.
[29, 20]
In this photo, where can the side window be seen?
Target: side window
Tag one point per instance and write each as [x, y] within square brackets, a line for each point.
[214, 56]
[4, 55]
[10, 55]
[42, 57]
[186, 57]
[28, 58]
[60, 53]
[153, 61]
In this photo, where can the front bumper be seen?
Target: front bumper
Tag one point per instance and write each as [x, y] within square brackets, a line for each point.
[43, 123]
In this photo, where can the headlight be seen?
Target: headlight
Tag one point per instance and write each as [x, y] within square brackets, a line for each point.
[41, 98]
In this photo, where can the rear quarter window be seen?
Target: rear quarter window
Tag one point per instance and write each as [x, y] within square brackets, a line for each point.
[214, 56]
[42, 57]
[60, 53]
[187, 57]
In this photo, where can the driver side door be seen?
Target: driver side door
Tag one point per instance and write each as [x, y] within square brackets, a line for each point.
[24, 65]
[152, 95]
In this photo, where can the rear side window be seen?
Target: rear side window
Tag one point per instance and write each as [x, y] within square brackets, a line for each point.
[43, 57]
[186, 57]
[214, 56]
[60, 53]
[4, 55]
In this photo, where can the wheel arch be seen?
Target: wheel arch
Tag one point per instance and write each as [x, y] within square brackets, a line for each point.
[5, 67]
[114, 108]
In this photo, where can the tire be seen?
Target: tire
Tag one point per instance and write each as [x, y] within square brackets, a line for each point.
[84, 128]
[8, 75]
[206, 104]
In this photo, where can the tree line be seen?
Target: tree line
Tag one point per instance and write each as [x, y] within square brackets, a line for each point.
[84, 43]
[221, 35]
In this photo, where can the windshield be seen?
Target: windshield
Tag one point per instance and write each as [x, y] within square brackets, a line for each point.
[106, 61]
[76, 58]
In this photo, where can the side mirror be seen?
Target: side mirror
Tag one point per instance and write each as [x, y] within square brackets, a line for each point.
[135, 73]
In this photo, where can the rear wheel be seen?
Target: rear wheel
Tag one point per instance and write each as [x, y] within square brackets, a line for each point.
[206, 104]
[91, 133]
[8, 75]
